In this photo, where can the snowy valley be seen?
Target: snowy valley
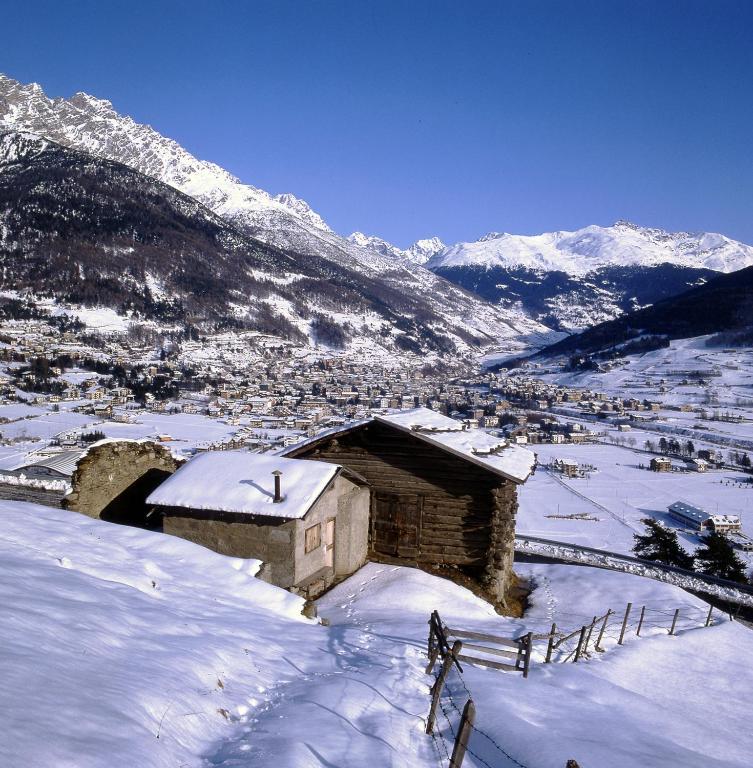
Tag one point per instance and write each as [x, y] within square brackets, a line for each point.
[244, 459]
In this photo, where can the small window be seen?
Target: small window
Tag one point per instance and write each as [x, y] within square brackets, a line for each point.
[313, 538]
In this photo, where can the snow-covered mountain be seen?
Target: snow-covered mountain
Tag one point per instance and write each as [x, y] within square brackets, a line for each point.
[418, 253]
[591, 248]
[572, 280]
[416, 304]
[93, 125]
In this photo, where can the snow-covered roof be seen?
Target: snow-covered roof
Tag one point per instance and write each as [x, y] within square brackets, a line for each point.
[63, 462]
[724, 519]
[475, 445]
[242, 482]
[697, 514]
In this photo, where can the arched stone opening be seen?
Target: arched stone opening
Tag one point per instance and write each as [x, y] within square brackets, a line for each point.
[113, 479]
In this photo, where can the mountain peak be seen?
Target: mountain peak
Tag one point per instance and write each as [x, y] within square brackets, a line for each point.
[418, 253]
[590, 248]
[423, 250]
[490, 236]
[86, 102]
[91, 123]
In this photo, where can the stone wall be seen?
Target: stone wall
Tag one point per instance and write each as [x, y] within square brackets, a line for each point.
[352, 529]
[114, 478]
[271, 540]
[499, 573]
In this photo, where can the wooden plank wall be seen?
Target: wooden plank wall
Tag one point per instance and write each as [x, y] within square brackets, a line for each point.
[467, 514]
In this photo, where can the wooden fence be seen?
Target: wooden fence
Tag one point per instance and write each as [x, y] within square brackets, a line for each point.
[516, 649]
[577, 644]
[444, 701]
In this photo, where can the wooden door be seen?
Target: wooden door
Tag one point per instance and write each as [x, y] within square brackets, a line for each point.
[396, 524]
[408, 522]
[383, 524]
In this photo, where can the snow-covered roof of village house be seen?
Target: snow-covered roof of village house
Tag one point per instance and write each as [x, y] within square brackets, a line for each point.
[63, 462]
[242, 482]
[475, 445]
[725, 519]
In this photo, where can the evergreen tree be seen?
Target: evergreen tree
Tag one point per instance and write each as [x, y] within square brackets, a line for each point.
[718, 558]
[660, 544]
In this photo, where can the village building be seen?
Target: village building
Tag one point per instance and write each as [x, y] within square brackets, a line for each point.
[307, 521]
[660, 464]
[40, 478]
[567, 467]
[441, 493]
[697, 518]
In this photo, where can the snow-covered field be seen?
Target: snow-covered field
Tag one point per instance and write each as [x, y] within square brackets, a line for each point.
[127, 648]
[729, 375]
[42, 424]
[611, 501]
[614, 498]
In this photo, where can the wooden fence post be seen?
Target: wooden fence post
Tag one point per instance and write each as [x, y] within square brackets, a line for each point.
[624, 623]
[588, 637]
[436, 690]
[433, 650]
[708, 618]
[580, 643]
[598, 647]
[467, 719]
[527, 653]
[550, 645]
[640, 621]
[674, 622]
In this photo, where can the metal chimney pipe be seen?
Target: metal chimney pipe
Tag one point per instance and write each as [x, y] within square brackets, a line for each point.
[278, 494]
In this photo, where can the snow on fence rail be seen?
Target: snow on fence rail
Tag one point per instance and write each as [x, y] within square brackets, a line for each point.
[732, 592]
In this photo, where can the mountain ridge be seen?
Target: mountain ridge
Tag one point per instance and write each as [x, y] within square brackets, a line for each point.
[87, 230]
[439, 307]
[723, 306]
[593, 247]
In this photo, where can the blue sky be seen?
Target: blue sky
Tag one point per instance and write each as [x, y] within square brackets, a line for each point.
[409, 119]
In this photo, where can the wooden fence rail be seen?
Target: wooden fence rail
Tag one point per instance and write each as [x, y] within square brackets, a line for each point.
[516, 649]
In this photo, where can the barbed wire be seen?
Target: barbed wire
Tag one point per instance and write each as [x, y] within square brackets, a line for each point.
[617, 631]
[438, 739]
[478, 730]
[448, 696]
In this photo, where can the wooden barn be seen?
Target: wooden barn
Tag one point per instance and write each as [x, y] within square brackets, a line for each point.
[306, 521]
[441, 493]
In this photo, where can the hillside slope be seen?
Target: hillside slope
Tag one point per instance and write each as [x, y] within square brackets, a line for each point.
[571, 280]
[124, 648]
[96, 232]
[724, 304]
[418, 302]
